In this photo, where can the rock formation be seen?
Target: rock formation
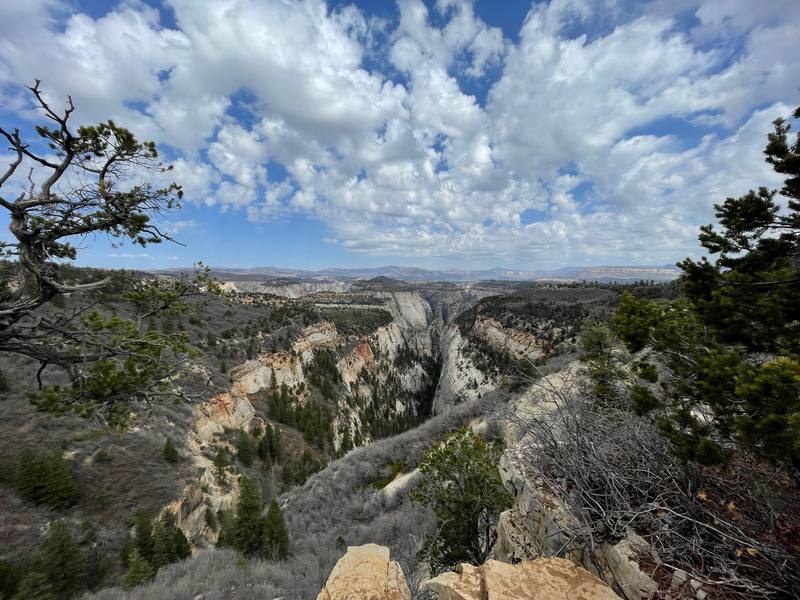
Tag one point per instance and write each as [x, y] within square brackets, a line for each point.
[540, 525]
[541, 579]
[366, 573]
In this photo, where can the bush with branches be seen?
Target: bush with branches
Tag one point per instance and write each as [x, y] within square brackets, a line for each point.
[616, 473]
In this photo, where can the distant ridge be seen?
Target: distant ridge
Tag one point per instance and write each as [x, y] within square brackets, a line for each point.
[416, 274]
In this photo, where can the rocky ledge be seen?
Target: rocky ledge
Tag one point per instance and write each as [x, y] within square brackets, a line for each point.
[366, 573]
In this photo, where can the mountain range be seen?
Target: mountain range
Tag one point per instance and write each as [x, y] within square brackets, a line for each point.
[411, 274]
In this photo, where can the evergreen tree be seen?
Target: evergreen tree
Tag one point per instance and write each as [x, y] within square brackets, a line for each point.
[60, 561]
[276, 536]
[264, 448]
[461, 484]
[220, 462]
[45, 478]
[166, 537]
[733, 344]
[169, 542]
[275, 448]
[170, 452]
[35, 586]
[139, 571]
[269, 447]
[226, 521]
[245, 448]
[143, 535]
[248, 524]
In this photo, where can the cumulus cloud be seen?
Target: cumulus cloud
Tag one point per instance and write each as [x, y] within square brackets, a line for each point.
[604, 133]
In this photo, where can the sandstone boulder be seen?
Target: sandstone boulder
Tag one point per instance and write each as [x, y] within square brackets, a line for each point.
[541, 579]
[366, 573]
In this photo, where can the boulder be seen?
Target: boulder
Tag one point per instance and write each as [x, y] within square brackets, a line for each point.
[366, 573]
[541, 579]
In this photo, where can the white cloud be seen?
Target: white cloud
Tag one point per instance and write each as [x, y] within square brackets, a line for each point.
[377, 137]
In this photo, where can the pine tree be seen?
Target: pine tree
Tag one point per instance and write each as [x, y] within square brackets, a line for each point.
[276, 536]
[245, 448]
[275, 448]
[170, 452]
[127, 549]
[62, 492]
[183, 549]
[220, 462]
[164, 551]
[248, 525]
[60, 561]
[264, 448]
[35, 586]
[143, 535]
[139, 571]
[45, 478]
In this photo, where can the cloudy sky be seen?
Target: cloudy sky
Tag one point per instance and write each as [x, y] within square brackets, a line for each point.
[438, 134]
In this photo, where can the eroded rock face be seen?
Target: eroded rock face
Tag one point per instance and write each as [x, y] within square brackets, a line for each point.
[228, 409]
[541, 579]
[366, 573]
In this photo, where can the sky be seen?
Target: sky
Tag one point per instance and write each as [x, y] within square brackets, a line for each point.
[440, 134]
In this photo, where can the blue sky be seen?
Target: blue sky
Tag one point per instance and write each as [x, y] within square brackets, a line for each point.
[435, 134]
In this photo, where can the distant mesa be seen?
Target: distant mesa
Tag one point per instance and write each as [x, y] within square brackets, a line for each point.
[392, 277]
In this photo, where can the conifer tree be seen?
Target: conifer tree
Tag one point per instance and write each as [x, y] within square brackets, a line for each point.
[170, 452]
[248, 525]
[245, 448]
[264, 448]
[220, 462]
[60, 561]
[461, 484]
[35, 586]
[275, 446]
[139, 571]
[143, 535]
[183, 549]
[45, 478]
[276, 536]
[165, 542]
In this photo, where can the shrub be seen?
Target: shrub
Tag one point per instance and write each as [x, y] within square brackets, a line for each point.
[461, 484]
[616, 473]
[170, 453]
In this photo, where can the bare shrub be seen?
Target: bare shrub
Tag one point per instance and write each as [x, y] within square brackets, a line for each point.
[616, 473]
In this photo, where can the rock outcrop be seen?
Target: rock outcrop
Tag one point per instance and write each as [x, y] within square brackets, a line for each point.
[541, 525]
[461, 380]
[366, 573]
[541, 579]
